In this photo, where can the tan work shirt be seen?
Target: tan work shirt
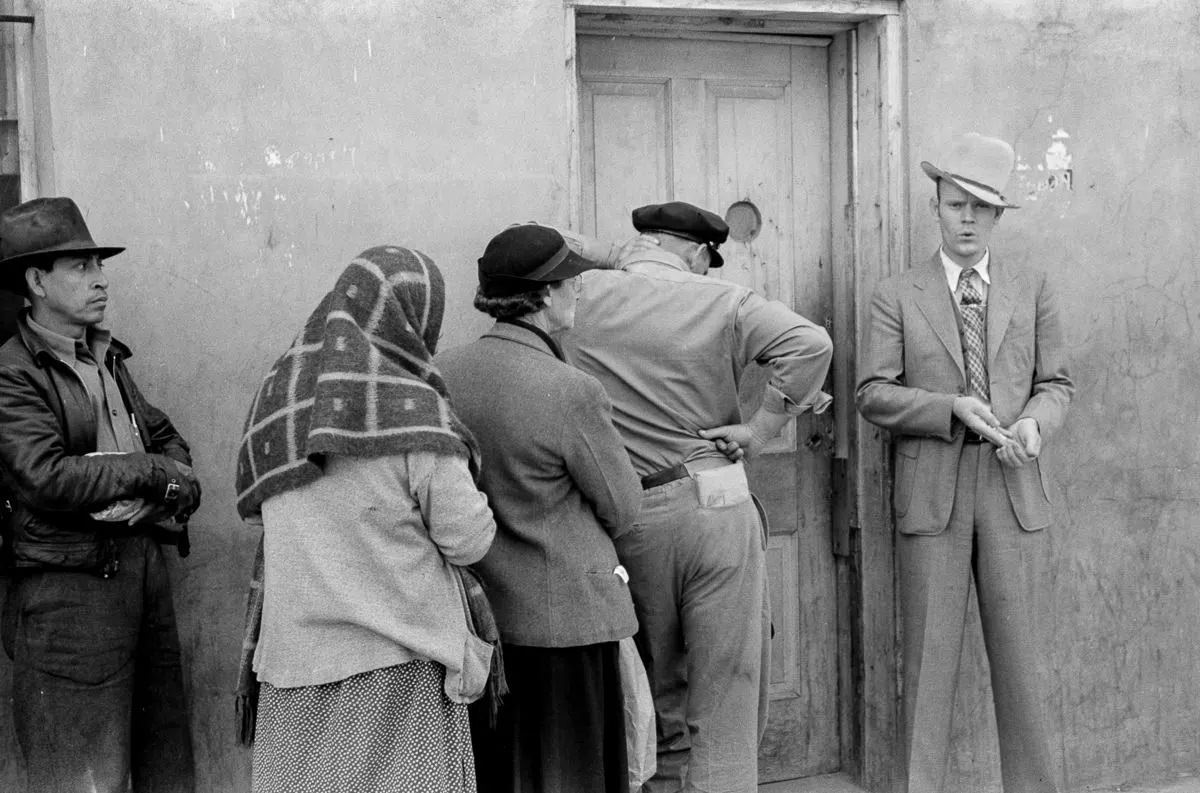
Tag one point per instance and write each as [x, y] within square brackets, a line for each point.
[670, 348]
[115, 430]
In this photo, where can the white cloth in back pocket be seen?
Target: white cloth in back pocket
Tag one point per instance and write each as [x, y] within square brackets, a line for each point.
[722, 487]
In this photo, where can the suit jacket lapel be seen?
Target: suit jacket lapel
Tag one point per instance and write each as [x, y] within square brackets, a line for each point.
[935, 303]
[1001, 301]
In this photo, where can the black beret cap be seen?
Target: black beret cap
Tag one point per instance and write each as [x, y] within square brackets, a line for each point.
[684, 220]
[522, 258]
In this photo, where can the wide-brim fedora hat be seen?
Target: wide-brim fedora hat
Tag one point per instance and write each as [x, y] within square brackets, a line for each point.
[40, 229]
[978, 164]
[526, 257]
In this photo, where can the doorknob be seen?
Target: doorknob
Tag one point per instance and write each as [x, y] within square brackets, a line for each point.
[819, 436]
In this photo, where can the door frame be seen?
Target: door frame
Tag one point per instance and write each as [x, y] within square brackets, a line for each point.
[870, 241]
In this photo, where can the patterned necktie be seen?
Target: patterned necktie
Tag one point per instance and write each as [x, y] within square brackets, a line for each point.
[971, 306]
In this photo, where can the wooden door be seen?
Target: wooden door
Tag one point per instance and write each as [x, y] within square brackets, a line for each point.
[741, 129]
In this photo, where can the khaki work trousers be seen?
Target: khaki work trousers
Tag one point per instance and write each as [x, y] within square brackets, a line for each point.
[698, 580]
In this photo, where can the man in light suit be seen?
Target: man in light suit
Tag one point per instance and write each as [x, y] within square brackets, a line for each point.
[966, 367]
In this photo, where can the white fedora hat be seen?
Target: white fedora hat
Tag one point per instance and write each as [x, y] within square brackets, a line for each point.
[978, 164]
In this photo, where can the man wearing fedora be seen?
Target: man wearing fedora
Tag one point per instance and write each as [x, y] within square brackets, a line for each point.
[97, 478]
[966, 367]
[669, 345]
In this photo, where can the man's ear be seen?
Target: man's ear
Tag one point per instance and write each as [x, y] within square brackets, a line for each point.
[933, 205]
[999, 212]
[694, 261]
[33, 282]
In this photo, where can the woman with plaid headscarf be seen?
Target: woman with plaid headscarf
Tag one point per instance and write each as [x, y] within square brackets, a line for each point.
[364, 481]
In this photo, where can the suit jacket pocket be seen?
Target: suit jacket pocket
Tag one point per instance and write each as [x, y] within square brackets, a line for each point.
[906, 466]
[926, 472]
[1027, 493]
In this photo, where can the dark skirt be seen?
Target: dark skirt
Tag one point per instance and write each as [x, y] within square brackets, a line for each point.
[561, 727]
[390, 729]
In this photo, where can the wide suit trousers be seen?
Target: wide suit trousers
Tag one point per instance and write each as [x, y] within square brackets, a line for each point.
[983, 542]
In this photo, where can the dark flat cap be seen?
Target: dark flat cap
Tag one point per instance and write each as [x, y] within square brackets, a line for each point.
[522, 258]
[687, 221]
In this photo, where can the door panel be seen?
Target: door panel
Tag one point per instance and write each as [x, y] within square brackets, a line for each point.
[741, 129]
[629, 123]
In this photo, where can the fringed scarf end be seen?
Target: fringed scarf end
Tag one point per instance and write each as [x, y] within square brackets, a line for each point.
[497, 684]
[246, 709]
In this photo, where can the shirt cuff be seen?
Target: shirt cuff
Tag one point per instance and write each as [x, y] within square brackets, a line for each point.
[775, 401]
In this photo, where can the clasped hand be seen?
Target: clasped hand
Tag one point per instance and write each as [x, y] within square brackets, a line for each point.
[172, 517]
[1015, 445]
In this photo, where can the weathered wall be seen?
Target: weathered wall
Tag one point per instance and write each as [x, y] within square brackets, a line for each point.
[245, 152]
[1122, 79]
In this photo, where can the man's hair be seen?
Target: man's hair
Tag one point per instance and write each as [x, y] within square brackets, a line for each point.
[510, 306]
[21, 286]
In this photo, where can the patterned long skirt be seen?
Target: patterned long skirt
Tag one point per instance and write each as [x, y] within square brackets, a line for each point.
[389, 729]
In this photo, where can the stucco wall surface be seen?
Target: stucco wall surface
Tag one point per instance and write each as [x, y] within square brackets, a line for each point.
[245, 152]
[1109, 91]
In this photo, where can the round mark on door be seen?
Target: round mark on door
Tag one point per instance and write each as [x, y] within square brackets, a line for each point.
[744, 221]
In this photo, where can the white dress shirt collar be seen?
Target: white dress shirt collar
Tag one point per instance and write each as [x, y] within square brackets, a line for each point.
[953, 270]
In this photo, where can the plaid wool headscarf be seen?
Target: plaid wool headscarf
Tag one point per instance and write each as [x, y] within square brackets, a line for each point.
[358, 380]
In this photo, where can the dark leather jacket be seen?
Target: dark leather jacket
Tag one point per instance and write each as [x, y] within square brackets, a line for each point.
[47, 425]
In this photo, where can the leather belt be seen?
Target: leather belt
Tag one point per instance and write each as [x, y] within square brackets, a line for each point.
[971, 436]
[681, 470]
[677, 471]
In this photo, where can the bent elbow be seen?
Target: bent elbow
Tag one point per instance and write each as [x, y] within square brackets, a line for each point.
[826, 343]
[49, 497]
[819, 344]
[470, 550]
[865, 402]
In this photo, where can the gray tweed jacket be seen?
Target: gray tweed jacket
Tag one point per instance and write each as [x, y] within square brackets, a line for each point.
[559, 482]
